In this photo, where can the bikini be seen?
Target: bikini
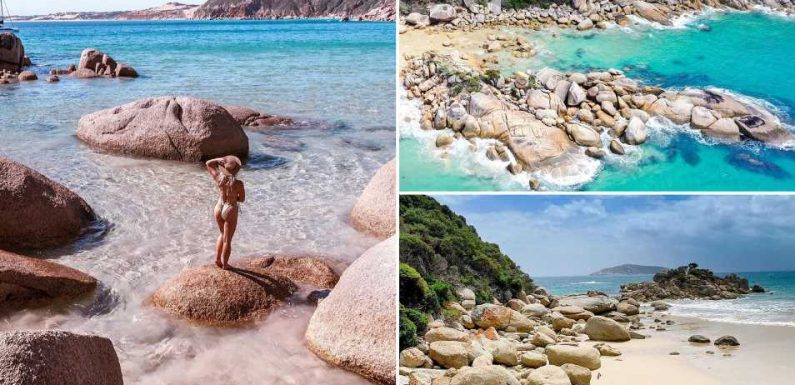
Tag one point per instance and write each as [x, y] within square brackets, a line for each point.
[223, 206]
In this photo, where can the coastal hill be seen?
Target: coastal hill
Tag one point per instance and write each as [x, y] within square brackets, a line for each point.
[630, 269]
[447, 252]
[280, 9]
[239, 9]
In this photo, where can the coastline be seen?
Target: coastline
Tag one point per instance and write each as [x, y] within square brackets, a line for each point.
[468, 49]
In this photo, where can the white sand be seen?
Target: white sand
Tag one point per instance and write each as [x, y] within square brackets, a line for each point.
[764, 357]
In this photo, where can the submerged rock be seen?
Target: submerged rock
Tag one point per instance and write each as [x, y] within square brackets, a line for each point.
[248, 117]
[374, 211]
[36, 212]
[175, 128]
[213, 296]
[354, 327]
[26, 281]
[57, 357]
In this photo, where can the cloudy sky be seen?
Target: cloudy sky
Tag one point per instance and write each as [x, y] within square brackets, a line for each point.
[43, 7]
[577, 235]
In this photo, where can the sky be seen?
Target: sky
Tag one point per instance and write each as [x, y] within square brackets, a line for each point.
[577, 235]
[44, 7]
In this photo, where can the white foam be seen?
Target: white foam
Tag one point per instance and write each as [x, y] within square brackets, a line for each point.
[751, 310]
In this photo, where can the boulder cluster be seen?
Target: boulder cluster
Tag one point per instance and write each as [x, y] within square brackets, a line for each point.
[580, 14]
[689, 282]
[548, 121]
[534, 339]
[94, 63]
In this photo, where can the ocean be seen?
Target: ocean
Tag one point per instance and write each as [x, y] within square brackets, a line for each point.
[776, 307]
[749, 53]
[300, 184]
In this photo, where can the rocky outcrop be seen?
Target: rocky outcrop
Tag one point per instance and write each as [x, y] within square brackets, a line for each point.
[57, 357]
[651, 12]
[248, 117]
[175, 128]
[101, 64]
[12, 52]
[26, 282]
[558, 125]
[293, 9]
[375, 210]
[354, 327]
[687, 282]
[36, 212]
[212, 296]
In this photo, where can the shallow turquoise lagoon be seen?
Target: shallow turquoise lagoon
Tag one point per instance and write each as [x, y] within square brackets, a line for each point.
[748, 53]
[157, 215]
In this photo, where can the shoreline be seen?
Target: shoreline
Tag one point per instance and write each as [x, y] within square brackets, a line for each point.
[761, 346]
[480, 51]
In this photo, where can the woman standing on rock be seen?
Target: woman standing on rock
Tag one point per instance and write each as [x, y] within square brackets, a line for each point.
[231, 193]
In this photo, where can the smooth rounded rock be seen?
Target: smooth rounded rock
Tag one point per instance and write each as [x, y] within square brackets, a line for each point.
[36, 212]
[605, 329]
[362, 339]
[57, 357]
[175, 128]
[580, 355]
[375, 210]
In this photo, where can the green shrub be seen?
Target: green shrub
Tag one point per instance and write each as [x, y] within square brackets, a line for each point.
[444, 292]
[407, 335]
[414, 291]
[418, 318]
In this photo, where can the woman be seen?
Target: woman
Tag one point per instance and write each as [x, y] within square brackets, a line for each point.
[231, 194]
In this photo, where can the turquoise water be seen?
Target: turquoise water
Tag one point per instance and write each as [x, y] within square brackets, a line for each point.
[749, 53]
[776, 307]
[301, 184]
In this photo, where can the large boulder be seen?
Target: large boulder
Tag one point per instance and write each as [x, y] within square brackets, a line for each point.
[213, 296]
[12, 52]
[487, 375]
[36, 212]
[374, 212]
[500, 318]
[57, 357]
[354, 327]
[450, 354]
[651, 12]
[442, 13]
[176, 128]
[548, 375]
[28, 281]
[586, 357]
[596, 304]
[605, 329]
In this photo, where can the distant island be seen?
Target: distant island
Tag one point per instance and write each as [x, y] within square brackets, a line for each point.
[373, 10]
[629, 269]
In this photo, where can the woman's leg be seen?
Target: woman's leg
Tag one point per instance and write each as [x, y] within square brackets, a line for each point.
[219, 244]
[230, 225]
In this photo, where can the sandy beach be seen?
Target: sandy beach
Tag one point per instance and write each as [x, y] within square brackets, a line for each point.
[650, 362]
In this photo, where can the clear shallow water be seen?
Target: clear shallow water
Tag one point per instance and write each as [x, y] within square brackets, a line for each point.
[300, 184]
[777, 307]
[749, 53]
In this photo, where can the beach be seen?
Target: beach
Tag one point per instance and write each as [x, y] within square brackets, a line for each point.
[650, 362]
[156, 216]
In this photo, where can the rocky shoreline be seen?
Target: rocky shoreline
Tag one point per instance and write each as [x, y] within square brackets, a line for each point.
[555, 125]
[535, 339]
[579, 14]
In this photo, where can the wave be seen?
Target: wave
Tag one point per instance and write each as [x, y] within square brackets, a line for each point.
[468, 158]
[747, 310]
